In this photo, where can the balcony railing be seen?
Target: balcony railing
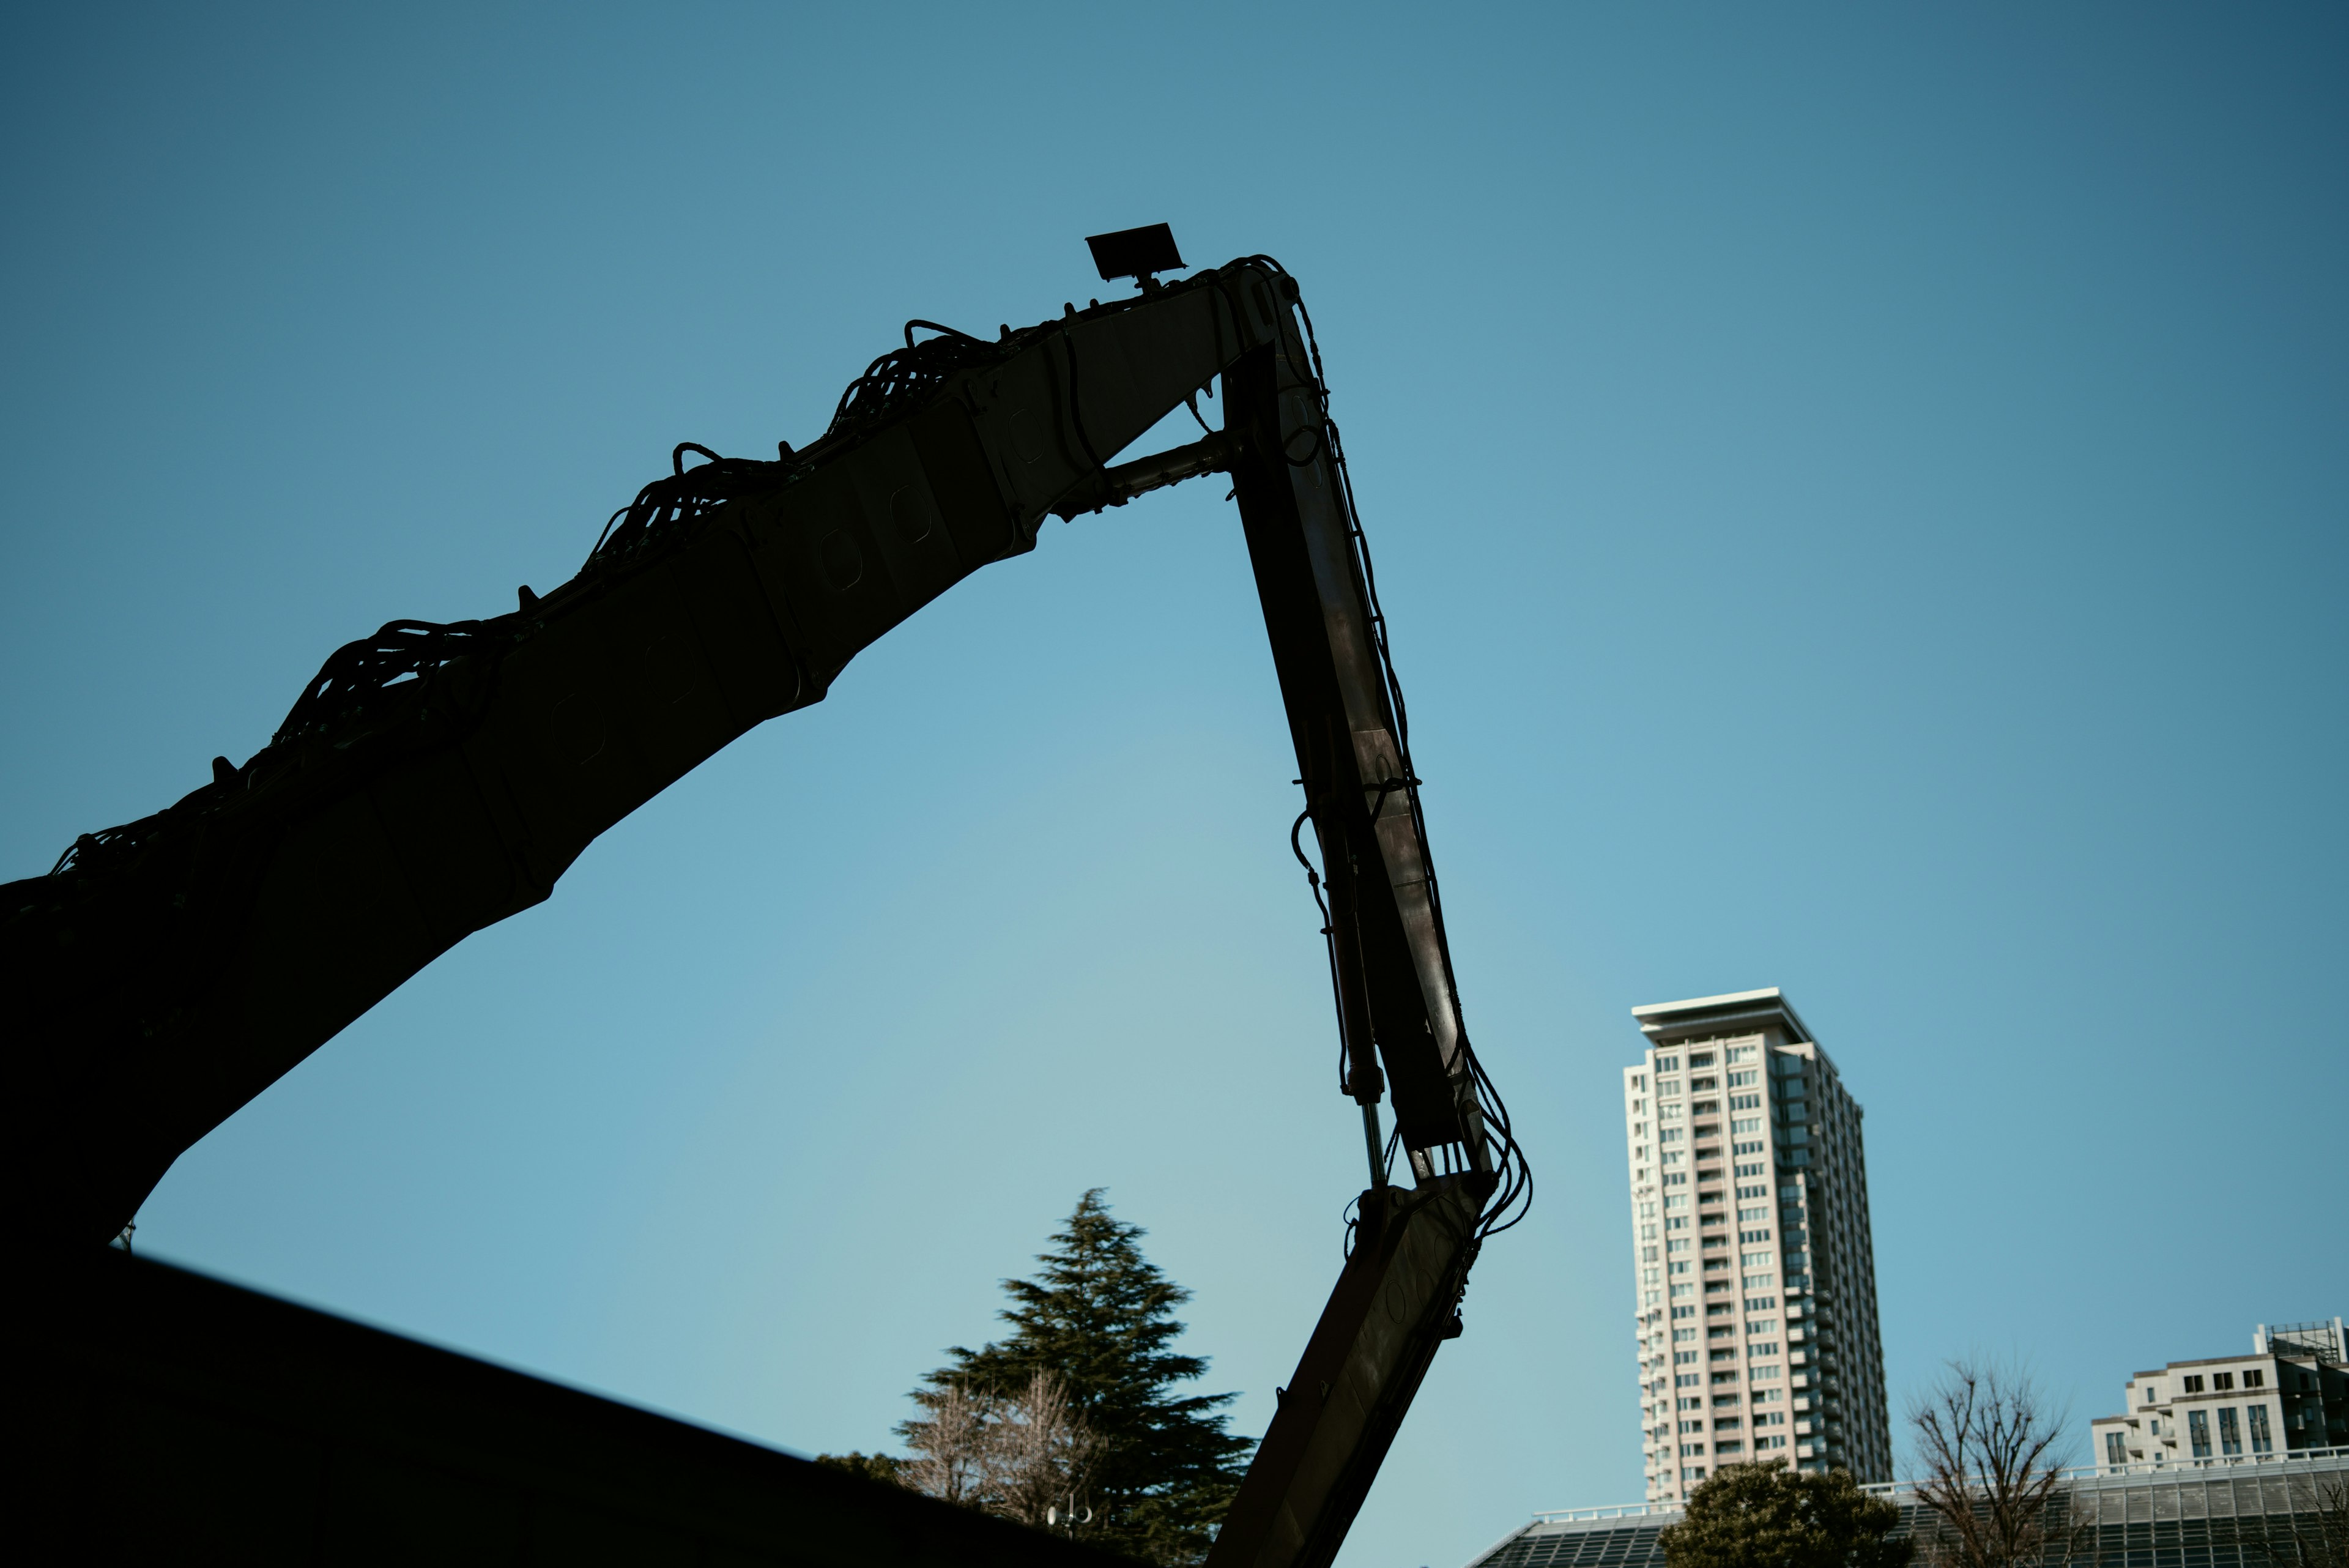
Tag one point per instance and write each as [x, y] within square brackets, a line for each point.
[2213, 1462]
[1620, 1510]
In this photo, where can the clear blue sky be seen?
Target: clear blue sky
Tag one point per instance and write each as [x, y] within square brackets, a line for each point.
[1860, 493]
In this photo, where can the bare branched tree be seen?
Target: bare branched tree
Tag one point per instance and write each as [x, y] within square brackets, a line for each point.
[1991, 1476]
[1043, 1452]
[2318, 1534]
[1022, 1457]
[949, 1444]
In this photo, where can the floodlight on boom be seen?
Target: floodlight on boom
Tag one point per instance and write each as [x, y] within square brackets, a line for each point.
[1138, 253]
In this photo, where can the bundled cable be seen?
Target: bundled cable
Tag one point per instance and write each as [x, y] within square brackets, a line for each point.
[687, 495]
[903, 377]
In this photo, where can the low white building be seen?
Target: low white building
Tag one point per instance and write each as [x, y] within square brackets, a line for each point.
[2291, 1392]
[2249, 1512]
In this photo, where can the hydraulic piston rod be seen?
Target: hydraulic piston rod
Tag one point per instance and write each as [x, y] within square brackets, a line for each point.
[1116, 485]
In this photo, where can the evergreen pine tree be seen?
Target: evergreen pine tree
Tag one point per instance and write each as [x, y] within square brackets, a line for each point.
[1099, 1316]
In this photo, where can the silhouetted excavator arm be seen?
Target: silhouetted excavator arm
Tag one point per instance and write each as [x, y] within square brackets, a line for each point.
[434, 779]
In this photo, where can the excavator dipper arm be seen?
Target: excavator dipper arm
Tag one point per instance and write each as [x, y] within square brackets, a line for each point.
[434, 779]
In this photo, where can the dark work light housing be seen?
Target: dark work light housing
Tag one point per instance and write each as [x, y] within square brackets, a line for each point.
[1136, 253]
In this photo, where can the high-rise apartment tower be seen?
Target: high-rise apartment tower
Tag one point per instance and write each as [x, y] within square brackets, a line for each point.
[1750, 1244]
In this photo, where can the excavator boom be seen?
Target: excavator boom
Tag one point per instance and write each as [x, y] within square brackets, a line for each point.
[436, 778]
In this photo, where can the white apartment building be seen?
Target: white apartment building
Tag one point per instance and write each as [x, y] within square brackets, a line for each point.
[2291, 1392]
[1757, 1277]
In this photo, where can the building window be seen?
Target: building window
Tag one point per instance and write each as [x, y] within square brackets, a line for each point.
[1701, 1059]
[2115, 1448]
[2231, 1431]
[2255, 1379]
[2262, 1442]
[2221, 1381]
[2198, 1431]
[2148, 1394]
[2194, 1383]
